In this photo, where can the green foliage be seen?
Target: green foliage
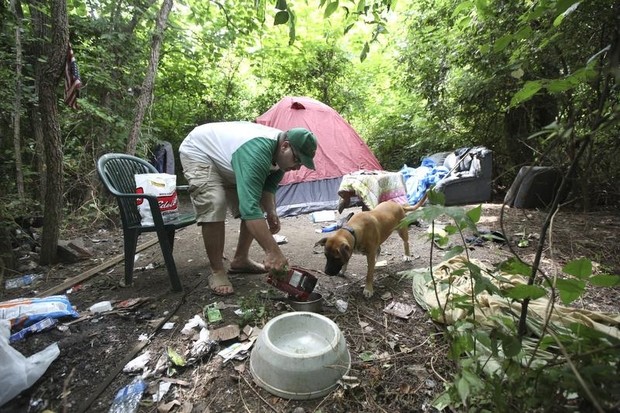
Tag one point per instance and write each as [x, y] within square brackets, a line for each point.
[570, 367]
[254, 310]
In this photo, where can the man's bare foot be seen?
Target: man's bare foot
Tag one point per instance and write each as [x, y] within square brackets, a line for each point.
[220, 284]
[246, 267]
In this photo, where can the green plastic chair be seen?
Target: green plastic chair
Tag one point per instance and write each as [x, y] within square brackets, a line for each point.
[117, 171]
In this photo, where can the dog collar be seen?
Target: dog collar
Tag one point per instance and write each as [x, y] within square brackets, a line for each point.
[352, 232]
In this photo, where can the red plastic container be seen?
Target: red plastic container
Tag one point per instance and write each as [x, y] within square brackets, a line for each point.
[298, 283]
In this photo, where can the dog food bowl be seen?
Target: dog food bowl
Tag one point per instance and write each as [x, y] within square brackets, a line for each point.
[300, 356]
[314, 303]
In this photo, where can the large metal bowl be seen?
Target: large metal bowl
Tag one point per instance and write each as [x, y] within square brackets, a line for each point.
[300, 355]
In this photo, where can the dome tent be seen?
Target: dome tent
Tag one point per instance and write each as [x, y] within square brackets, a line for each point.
[340, 151]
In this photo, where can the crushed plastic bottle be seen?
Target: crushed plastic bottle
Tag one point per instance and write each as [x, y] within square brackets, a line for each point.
[128, 398]
[22, 281]
[100, 307]
[342, 305]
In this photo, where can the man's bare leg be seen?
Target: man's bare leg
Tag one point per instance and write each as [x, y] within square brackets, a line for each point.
[213, 236]
[241, 262]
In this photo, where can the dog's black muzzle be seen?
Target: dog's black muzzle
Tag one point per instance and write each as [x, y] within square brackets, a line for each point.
[333, 267]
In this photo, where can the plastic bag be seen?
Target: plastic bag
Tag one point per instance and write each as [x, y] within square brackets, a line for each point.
[19, 372]
[22, 312]
[164, 186]
[127, 399]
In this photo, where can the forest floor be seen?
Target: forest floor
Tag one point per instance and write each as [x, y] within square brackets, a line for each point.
[398, 364]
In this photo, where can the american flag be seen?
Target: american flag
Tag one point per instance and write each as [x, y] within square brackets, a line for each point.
[72, 80]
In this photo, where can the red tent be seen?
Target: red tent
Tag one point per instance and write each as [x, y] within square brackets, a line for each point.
[340, 151]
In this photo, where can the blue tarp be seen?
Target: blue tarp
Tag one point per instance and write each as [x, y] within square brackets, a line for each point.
[418, 180]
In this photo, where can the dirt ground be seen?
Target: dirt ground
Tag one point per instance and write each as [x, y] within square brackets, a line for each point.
[398, 365]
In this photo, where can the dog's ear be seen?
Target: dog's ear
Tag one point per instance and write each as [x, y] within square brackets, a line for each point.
[321, 242]
[345, 252]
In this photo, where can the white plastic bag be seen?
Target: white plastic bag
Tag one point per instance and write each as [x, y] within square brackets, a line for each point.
[164, 186]
[19, 372]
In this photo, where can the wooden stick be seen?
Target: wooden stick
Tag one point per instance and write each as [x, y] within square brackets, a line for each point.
[92, 272]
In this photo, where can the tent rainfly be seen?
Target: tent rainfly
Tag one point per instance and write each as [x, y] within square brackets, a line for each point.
[340, 151]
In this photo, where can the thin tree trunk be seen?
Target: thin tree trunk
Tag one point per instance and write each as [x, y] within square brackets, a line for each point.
[144, 100]
[37, 130]
[16, 8]
[54, 54]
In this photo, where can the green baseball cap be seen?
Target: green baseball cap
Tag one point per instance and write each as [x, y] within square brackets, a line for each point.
[304, 143]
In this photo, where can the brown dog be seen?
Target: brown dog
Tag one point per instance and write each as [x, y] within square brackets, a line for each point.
[364, 234]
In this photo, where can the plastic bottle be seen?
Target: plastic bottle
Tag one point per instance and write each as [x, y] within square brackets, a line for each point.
[22, 281]
[128, 398]
[330, 228]
[100, 307]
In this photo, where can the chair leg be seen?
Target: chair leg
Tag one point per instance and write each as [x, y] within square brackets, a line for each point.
[166, 250]
[130, 241]
[171, 233]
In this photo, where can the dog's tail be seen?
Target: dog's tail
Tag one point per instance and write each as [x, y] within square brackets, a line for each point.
[409, 208]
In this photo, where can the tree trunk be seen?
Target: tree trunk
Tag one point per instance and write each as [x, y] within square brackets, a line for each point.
[37, 130]
[52, 56]
[144, 100]
[16, 8]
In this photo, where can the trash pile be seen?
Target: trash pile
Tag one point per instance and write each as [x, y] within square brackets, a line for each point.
[153, 371]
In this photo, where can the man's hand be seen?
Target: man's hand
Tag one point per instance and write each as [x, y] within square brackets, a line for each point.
[276, 263]
[268, 203]
[273, 220]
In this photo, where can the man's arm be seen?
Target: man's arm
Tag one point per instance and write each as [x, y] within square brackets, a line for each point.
[274, 259]
[268, 203]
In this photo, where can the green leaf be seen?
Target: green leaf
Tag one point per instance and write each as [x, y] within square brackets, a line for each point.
[502, 43]
[581, 268]
[559, 85]
[581, 330]
[521, 292]
[361, 6]
[524, 33]
[464, 6]
[331, 8]
[367, 356]
[365, 51]
[475, 214]
[514, 266]
[523, 243]
[462, 387]
[473, 379]
[436, 197]
[175, 357]
[281, 5]
[511, 345]
[291, 29]
[570, 289]
[281, 18]
[605, 280]
[453, 252]
[563, 5]
[528, 90]
[442, 401]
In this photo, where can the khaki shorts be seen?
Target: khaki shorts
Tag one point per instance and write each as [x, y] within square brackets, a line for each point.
[210, 194]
